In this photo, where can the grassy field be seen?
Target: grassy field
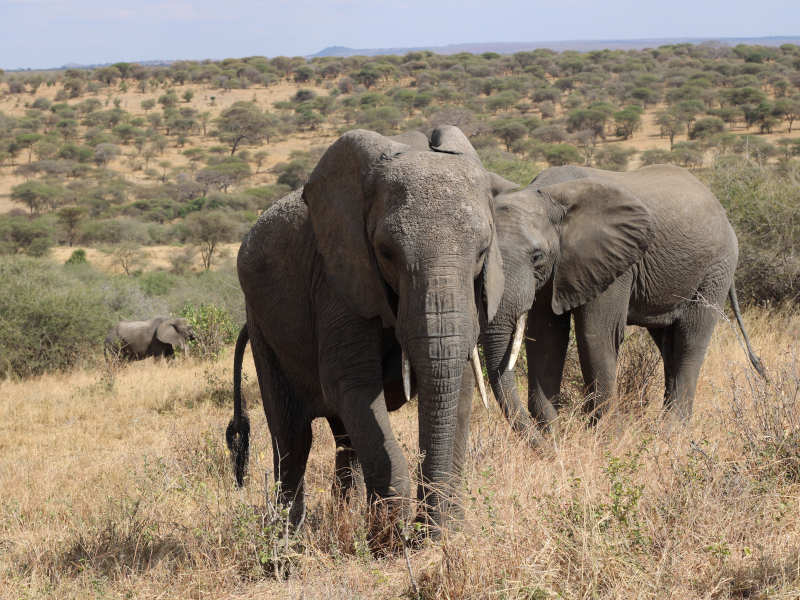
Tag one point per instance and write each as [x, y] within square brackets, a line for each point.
[117, 484]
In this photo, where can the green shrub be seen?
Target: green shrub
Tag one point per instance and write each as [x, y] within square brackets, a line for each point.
[562, 154]
[613, 158]
[764, 207]
[509, 166]
[213, 327]
[20, 234]
[655, 157]
[78, 257]
[156, 283]
[706, 127]
[51, 321]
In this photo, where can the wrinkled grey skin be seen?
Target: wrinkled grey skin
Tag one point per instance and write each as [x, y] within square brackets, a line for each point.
[389, 245]
[651, 247]
[135, 340]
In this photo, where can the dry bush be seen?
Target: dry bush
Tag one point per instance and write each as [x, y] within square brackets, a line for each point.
[639, 371]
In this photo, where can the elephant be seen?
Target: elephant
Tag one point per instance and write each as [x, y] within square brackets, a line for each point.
[135, 340]
[651, 247]
[364, 287]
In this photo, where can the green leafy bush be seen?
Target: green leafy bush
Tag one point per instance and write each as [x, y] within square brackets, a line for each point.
[78, 257]
[51, 321]
[20, 234]
[509, 166]
[213, 327]
[764, 208]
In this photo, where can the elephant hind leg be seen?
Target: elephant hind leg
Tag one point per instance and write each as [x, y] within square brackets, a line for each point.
[683, 348]
[289, 428]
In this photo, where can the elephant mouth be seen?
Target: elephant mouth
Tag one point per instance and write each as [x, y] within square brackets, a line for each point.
[475, 362]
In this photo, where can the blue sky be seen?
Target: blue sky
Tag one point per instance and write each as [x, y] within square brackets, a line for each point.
[48, 33]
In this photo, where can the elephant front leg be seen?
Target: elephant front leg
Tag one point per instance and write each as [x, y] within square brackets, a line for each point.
[497, 349]
[546, 342]
[599, 331]
[351, 375]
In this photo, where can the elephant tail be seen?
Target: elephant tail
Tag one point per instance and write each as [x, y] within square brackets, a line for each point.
[237, 435]
[757, 364]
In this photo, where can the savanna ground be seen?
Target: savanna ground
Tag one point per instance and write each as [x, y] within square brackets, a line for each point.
[117, 484]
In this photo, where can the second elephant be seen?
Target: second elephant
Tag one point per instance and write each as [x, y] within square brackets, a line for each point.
[135, 340]
[652, 247]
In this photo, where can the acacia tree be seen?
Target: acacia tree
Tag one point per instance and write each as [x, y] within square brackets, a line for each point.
[35, 195]
[671, 123]
[242, 123]
[208, 229]
[509, 130]
[628, 120]
[69, 218]
[788, 109]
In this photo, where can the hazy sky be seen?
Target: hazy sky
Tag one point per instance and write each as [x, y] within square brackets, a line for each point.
[49, 33]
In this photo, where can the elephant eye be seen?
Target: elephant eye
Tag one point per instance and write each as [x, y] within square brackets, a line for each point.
[537, 256]
[386, 253]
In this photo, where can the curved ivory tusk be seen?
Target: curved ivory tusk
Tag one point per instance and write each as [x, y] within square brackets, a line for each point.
[406, 377]
[476, 369]
[519, 335]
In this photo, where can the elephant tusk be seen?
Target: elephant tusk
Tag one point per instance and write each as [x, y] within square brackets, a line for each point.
[476, 369]
[406, 377]
[519, 335]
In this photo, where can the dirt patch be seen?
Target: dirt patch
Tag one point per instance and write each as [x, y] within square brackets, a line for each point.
[153, 258]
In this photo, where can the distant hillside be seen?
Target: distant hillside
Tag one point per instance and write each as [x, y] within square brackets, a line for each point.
[579, 45]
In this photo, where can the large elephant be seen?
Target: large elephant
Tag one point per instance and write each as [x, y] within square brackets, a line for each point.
[135, 340]
[371, 279]
[651, 247]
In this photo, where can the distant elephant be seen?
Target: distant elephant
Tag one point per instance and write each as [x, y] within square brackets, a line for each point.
[135, 340]
[651, 247]
[371, 281]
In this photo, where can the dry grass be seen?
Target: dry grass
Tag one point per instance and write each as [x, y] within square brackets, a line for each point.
[117, 484]
[152, 257]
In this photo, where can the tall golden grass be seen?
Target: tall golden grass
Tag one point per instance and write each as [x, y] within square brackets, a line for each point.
[117, 484]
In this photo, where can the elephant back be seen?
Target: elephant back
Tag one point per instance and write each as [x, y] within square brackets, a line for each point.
[693, 241]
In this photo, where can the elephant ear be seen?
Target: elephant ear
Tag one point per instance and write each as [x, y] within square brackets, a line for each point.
[338, 204]
[167, 333]
[451, 140]
[605, 230]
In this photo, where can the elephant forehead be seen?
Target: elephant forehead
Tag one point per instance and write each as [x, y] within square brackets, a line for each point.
[440, 178]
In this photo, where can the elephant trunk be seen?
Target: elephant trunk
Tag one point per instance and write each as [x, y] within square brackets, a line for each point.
[497, 347]
[439, 344]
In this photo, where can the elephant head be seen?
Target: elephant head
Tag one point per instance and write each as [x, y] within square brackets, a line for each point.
[175, 332]
[407, 235]
[567, 235]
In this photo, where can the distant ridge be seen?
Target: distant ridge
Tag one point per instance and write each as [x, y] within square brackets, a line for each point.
[579, 45]
[480, 47]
